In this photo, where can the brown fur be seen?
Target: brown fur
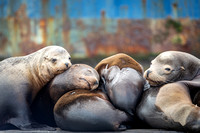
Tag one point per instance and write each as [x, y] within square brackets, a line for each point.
[176, 104]
[86, 110]
[175, 101]
[68, 99]
[121, 60]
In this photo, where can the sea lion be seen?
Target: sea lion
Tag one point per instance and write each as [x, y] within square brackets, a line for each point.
[179, 106]
[151, 115]
[170, 105]
[21, 78]
[123, 87]
[78, 76]
[85, 110]
[172, 66]
[121, 79]
[121, 60]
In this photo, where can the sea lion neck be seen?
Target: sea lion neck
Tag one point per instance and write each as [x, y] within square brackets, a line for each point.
[36, 75]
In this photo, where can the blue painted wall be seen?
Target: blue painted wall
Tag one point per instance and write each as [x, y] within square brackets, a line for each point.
[92, 27]
[131, 9]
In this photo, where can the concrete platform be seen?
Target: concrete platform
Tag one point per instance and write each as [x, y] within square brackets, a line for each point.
[127, 131]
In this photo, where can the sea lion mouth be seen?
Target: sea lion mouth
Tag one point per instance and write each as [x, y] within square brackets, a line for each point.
[155, 83]
[60, 71]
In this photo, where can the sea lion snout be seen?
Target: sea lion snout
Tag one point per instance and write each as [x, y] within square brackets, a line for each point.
[68, 64]
[147, 73]
[95, 84]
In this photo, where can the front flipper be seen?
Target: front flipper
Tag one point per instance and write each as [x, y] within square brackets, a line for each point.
[37, 126]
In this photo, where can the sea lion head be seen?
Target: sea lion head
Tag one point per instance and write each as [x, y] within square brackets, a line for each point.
[82, 76]
[78, 76]
[54, 60]
[171, 66]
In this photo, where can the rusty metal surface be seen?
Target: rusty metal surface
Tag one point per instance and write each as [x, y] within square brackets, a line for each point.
[95, 27]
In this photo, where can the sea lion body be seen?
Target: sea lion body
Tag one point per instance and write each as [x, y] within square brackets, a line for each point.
[152, 116]
[21, 78]
[78, 76]
[172, 102]
[122, 81]
[179, 106]
[84, 110]
[123, 87]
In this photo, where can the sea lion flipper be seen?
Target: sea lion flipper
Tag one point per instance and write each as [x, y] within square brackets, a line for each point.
[37, 126]
[122, 127]
[8, 126]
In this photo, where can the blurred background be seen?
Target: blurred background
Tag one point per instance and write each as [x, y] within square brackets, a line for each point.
[94, 29]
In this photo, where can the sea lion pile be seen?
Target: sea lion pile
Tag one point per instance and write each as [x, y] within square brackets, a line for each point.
[44, 91]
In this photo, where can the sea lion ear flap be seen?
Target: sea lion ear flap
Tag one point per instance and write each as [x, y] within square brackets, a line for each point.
[182, 68]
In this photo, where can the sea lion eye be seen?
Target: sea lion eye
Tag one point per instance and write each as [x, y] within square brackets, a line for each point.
[167, 69]
[69, 58]
[53, 60]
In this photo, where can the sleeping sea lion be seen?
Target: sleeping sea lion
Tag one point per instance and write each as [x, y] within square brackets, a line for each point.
[78, 76]
[121, 79]
[85, 110]
[21, 78]
[123, 87]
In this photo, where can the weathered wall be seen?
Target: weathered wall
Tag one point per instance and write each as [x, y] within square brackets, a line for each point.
[92, 27]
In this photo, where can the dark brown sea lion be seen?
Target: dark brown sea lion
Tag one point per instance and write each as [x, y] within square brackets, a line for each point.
[123, 87]
[170, 106]
[85, 110]
[78, 76]
[21, 78]
[121, 79]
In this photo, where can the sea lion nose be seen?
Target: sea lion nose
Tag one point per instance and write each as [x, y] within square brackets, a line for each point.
[67, 64]
[148, 72]
[96, 83]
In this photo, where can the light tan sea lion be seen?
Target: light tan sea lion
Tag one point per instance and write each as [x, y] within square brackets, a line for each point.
[21, 78]
[170, 106]
[172, 66]
[178, 105]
